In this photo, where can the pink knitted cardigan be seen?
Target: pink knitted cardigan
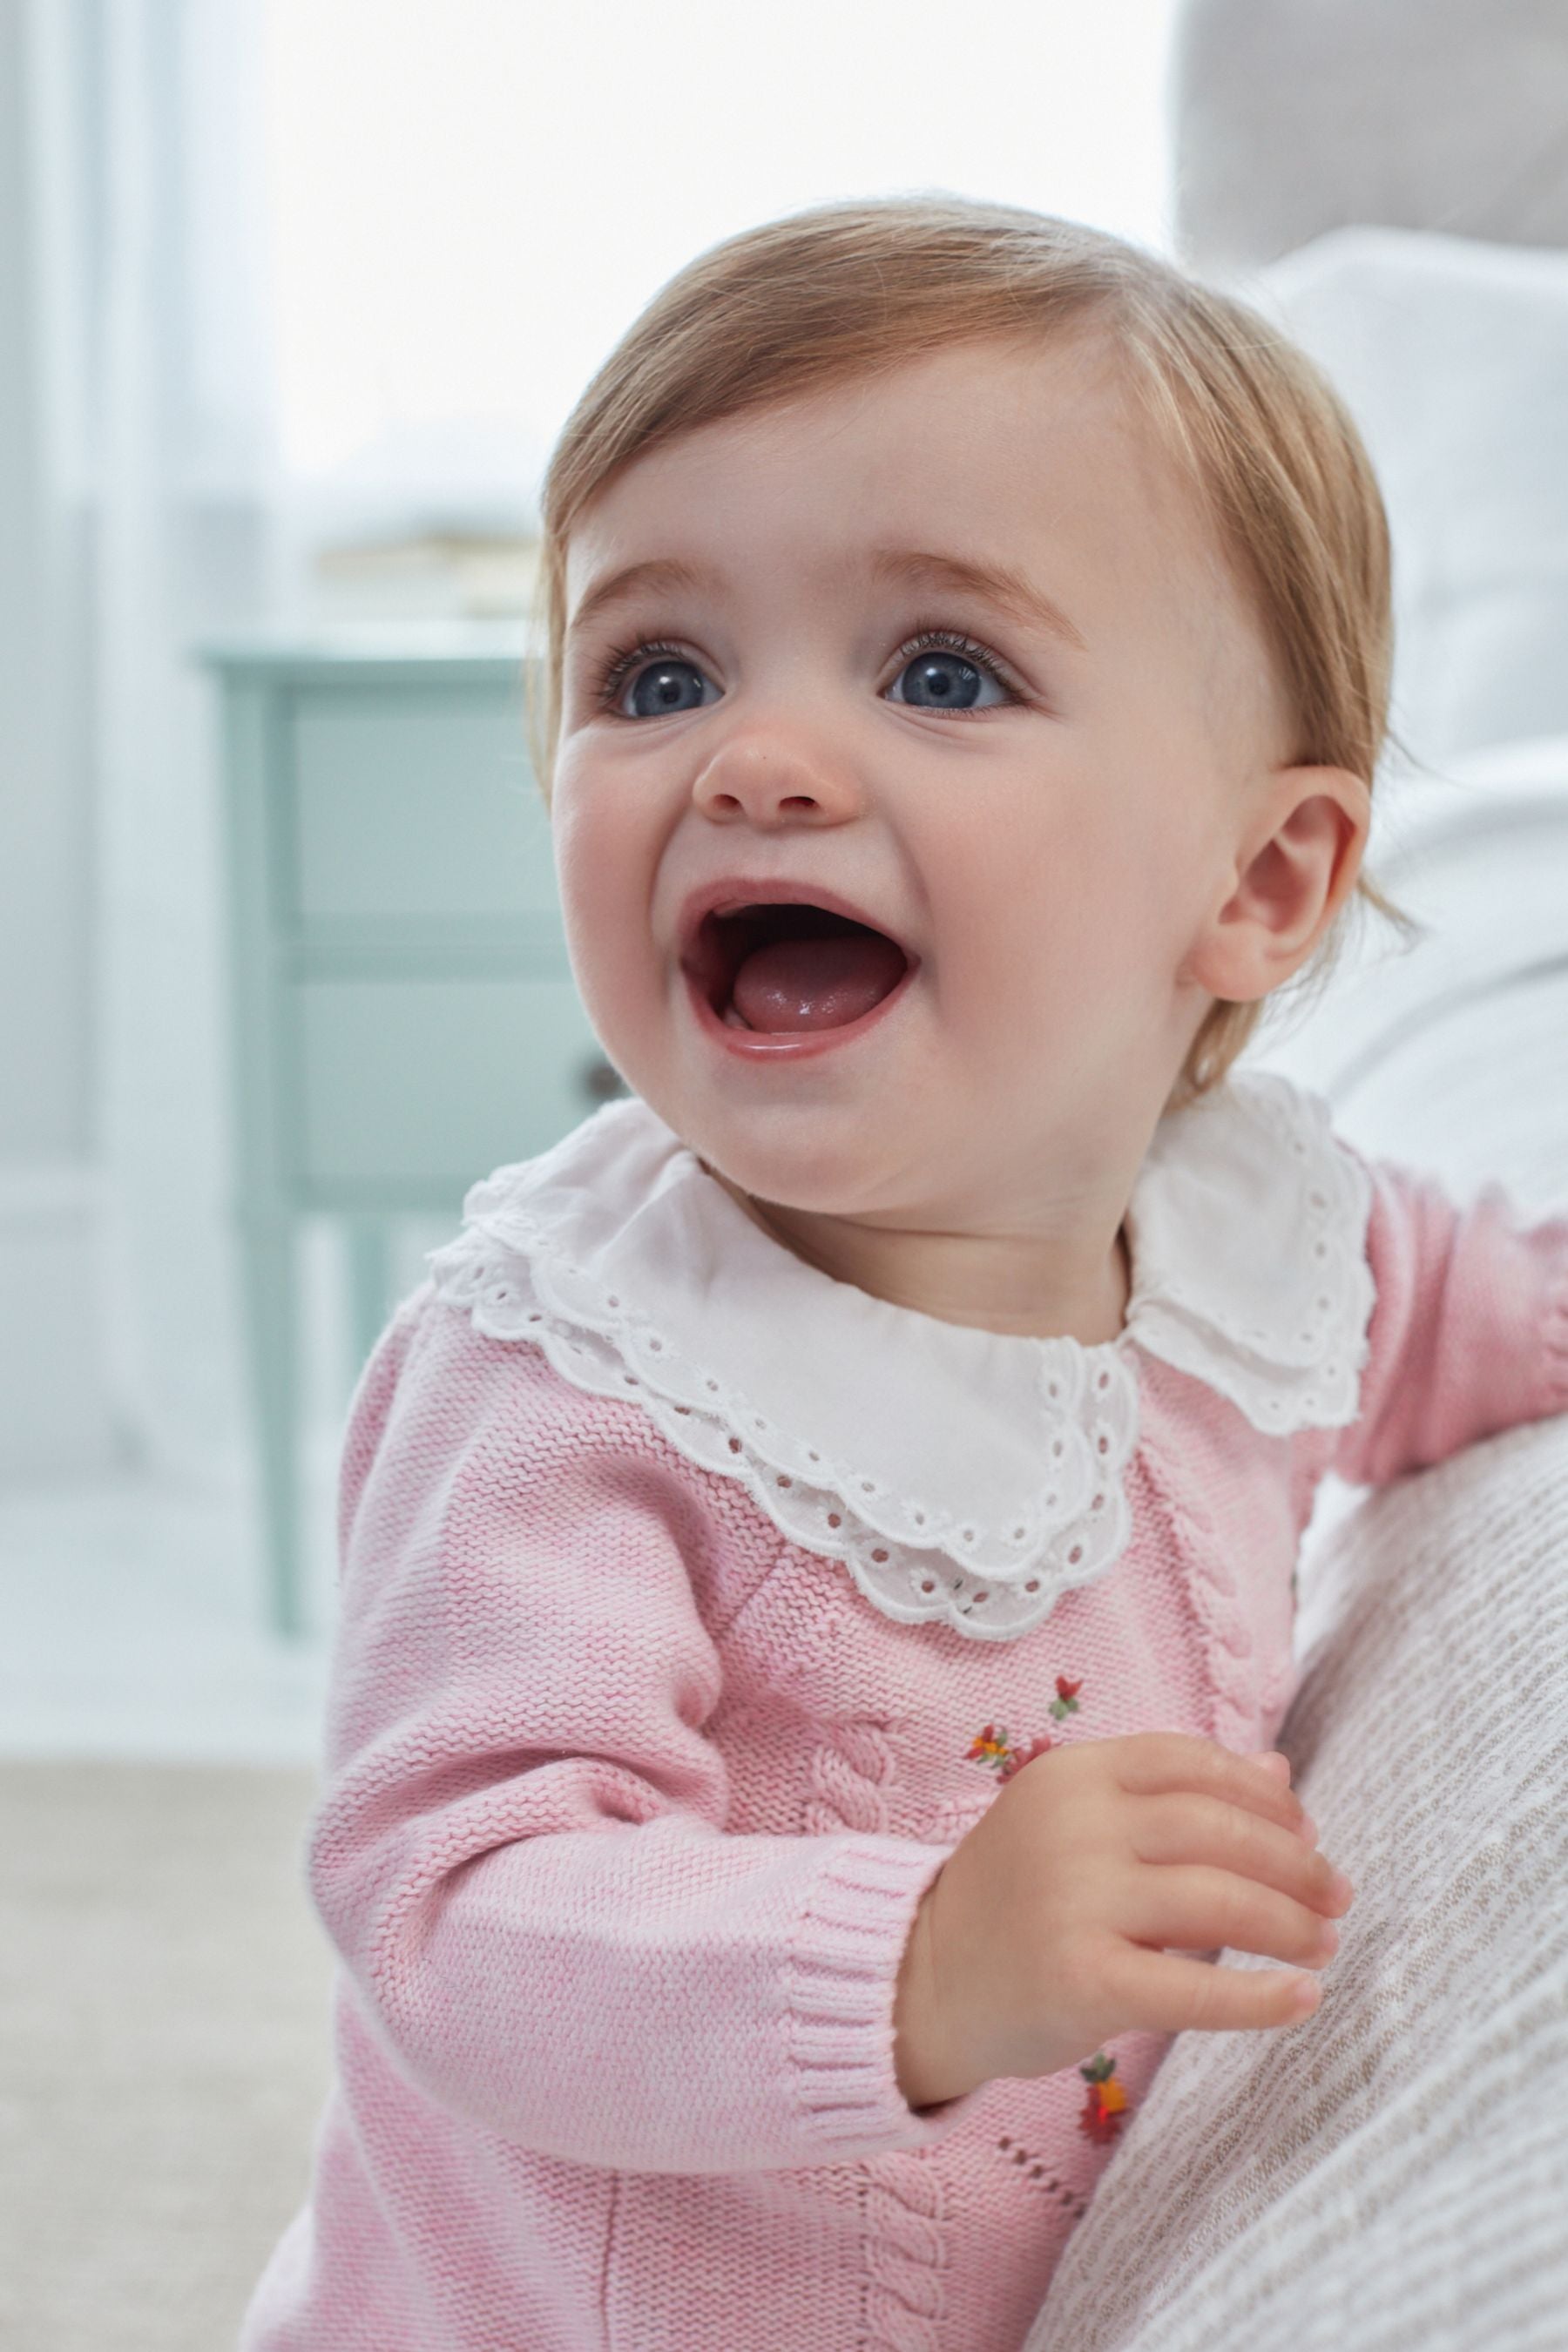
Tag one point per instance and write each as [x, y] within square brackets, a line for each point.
[633, 1782]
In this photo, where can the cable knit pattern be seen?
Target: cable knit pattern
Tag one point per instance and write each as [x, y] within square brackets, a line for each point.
[906, 2257]
[1238, 1717]
[629, 1801]
[850, 1776]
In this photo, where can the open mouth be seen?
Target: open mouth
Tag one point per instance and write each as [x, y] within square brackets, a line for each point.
[780, 967]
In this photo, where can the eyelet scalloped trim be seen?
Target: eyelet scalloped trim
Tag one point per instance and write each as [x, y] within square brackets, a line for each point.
[1093, 1405]
[1203, 1286]
[1305, 1371]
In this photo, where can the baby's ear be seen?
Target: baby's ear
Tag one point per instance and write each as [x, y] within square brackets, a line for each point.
[1301, 840]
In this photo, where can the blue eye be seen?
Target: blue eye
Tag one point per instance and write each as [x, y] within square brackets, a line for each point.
[949, 678]
[665, 685]
[662, 685]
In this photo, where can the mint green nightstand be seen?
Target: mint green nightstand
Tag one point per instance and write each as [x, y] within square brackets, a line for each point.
[405, 1014]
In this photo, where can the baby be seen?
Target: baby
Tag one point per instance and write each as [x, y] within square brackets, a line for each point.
[818, 1555]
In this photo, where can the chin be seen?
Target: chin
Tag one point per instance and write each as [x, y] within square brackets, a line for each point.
[791, 1158]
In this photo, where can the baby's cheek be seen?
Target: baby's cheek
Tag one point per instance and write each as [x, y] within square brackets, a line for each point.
[1061, 990]
[605, 911]
[598, 964]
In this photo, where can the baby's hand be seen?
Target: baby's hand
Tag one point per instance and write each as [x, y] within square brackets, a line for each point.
[1044, 1933]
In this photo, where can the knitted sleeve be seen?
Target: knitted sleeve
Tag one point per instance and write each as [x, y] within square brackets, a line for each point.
[520, 1851]
[1469, 1331]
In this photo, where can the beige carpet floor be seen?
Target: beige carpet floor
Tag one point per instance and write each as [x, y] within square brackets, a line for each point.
[163, 2048]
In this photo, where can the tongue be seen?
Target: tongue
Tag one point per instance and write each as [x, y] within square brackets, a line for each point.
[821, 983]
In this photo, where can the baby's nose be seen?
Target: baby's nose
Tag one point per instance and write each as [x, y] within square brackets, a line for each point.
[773, 781]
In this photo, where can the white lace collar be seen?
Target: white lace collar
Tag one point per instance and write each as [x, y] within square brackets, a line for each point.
[961, 1474]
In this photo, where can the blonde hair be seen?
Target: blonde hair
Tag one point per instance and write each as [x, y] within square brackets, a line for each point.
[849, 289]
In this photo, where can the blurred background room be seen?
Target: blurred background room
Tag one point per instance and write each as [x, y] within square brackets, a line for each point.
[294, 297]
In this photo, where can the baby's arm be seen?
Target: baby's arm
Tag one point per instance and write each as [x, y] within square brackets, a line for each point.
[521, 1852]
[1469, 1332]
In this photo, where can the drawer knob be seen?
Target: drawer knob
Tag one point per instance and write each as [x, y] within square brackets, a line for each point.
[600, 1080]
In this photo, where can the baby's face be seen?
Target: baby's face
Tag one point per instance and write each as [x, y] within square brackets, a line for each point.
[948, 653]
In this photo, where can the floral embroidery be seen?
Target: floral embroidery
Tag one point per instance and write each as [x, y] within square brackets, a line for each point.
[1105, 2106]
[1065, 1700]
[993, 1748]
[1105, 2101]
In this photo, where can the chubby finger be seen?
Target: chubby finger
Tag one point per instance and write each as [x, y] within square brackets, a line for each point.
[1199, 1909]
[1180, 1826]
[1151, 1763]
[1161, 1992]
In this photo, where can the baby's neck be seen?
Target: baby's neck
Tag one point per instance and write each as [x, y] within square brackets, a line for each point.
[1027, 1285]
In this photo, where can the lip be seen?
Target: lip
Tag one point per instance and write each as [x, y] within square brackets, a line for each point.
[770, 1045]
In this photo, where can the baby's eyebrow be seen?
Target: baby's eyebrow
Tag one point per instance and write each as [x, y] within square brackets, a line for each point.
[997, 583]
[659, 571]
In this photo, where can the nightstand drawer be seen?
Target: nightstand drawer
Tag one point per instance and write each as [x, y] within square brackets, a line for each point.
[410, 1088]
[411, 801]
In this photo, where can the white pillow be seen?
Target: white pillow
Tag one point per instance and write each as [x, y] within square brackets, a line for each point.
[1452, 356]
[1390, 2175]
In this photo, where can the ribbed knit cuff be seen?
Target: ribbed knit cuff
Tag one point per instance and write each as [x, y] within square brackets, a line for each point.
[839, 1990]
